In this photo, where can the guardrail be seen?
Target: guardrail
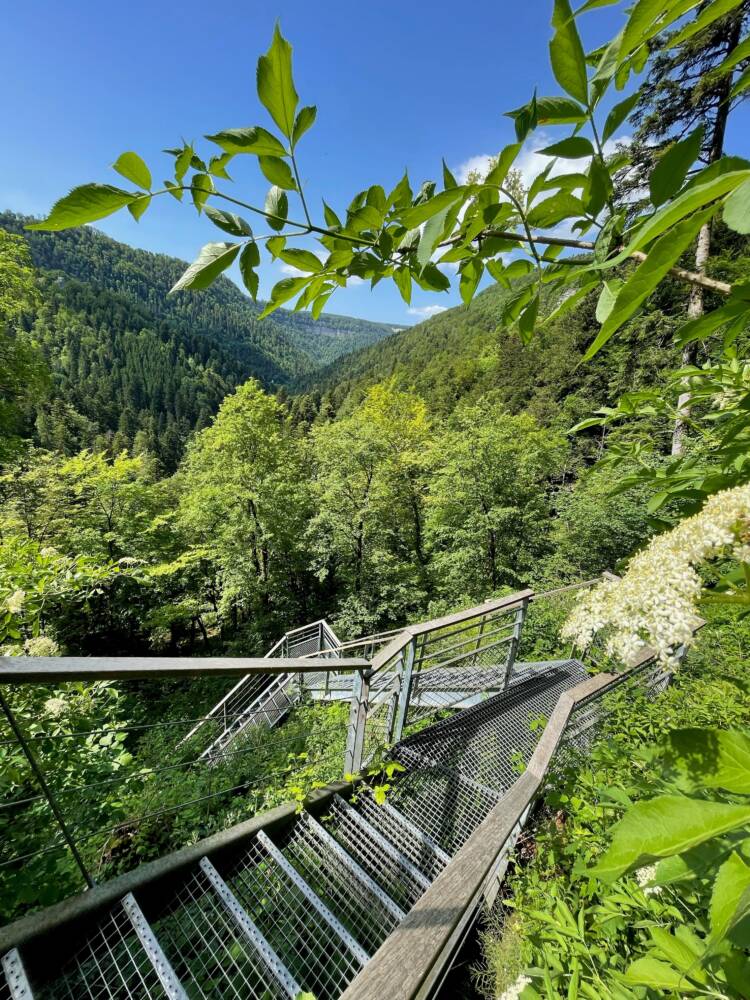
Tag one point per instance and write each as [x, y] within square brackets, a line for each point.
[414, 960]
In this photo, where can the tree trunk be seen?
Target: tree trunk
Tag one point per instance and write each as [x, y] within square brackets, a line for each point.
[703, 247]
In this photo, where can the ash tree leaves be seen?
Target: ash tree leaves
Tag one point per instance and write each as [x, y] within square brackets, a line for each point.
[566, 53]
[737, 209]
[670, 172]
[132, 168]
[211, 261]
[249, 261]
[233, 224]
[277, 207]
[87, 203]
[275, 84]
[255, 140]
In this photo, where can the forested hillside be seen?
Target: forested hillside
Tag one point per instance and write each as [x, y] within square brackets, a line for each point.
[127, 361]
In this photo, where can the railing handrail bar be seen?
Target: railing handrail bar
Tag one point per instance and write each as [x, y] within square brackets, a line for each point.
[428, 654]
[358, 642]
[570, 586]
[46, 669]
[411, 962]
[401, 641]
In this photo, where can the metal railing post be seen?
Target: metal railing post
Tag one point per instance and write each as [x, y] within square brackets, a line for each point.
[46, 790]
[404, 696]
[515, 640]
[355, 738]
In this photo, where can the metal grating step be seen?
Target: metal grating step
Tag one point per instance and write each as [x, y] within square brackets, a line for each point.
[114, 963]
[213, 947]
[382, 861]
[316, 948]
[359, 903]
[14, 985]
[440, 802]
[418, 846]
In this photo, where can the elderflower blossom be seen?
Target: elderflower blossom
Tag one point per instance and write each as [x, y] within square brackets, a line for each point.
[41, 645]
[55, 707]
[14, 602]
[644, 876]
[655, 602]
[514, 992]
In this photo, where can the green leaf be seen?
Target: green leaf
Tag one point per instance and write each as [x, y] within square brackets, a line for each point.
[414, 217]
[648, 275]
[704, 326]
[249, 260]
[670, 172]
[449, 181]
[659, 976]
[275, 84]
[256, 140]
[174, 190]
[201, 187]
[693, 197]
[84, 204]
[743, 82]
[277, 171]
[607, 298]
[305, 260]
[710, 758]
[132, 168]
[431, 234]
[281, 292]
[211, 261]
[566, 53]
[305, 118]
[471, 273]
[504, 162]
[554, 111]
[618, 114]
[233, 224]
[277, 204]
[139, 206]
[527, 319]
[573, 148]
[552, 210]
[332, 220]
[737, 209]
[730, 899]
[712, 12]
[402, 280]
[662, 826]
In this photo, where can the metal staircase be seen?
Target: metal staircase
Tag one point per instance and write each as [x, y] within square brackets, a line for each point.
[299, 901]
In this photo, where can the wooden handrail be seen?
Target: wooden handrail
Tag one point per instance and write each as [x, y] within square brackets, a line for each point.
[46, 669]
[413, 960]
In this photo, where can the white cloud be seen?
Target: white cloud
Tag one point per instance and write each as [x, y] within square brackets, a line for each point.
[426, 311]
[530, 160]
[353, 280]
[291, 271]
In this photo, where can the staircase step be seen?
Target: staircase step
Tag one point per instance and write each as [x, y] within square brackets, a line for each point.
[215, 948]
[313, 944]
[367, 912]
[16, 985]
[115, 962]
[441, 802]
[382, 861]
[418, 846]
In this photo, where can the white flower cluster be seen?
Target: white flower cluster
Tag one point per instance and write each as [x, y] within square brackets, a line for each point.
[41, 645]
[514, 992]
[14, 602]
[644, 876]
[656, 602]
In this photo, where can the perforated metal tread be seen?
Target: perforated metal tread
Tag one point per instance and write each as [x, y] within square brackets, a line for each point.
[490, 743]
[13, 982]
[112, 963]
[417, 845]
[212, 952]
[364, 910]
[382, 860]
[311, 942]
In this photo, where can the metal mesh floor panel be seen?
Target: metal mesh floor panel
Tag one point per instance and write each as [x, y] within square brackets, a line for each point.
[373, 856]
[358, 909]
[305, 942]
[411, 841]
[112, 965]
[440, 802]
[208, 951]
[490, 743]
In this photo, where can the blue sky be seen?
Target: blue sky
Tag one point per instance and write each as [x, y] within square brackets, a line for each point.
[397, 85]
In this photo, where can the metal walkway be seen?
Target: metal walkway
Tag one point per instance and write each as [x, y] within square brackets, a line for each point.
[302, 908]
